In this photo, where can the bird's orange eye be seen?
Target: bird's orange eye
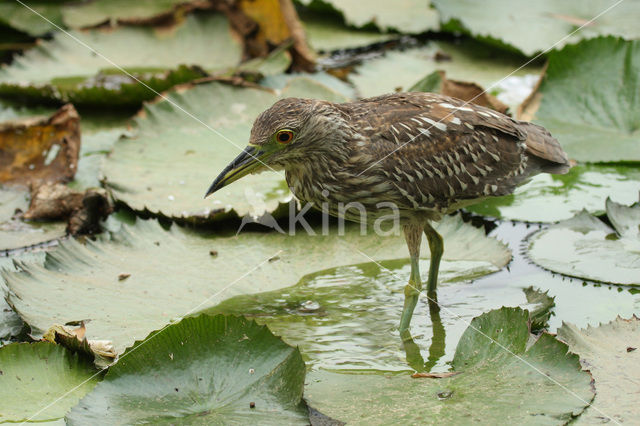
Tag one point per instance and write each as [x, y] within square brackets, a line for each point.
[284, 136]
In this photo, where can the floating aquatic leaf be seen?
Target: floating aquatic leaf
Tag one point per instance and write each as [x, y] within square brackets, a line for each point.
[41, 381]
[495, 385]
[588, 100]
[549, 198]
[63, 69]
[611, 353]
[407, 16]
[172, 273]
[176, 154]
[467, 61]
[205, 370]
[537, 26]
[87, 14]
[586, 247]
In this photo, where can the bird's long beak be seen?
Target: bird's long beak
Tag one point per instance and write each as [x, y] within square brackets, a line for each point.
[250, 159]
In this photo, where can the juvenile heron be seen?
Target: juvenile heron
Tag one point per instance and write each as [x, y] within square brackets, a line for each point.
[424, 153]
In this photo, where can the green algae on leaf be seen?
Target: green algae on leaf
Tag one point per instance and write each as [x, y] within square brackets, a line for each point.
[494, 385]
[202, 370]
[588, 99]
[41, 381]
[610, 352]
[586, 247]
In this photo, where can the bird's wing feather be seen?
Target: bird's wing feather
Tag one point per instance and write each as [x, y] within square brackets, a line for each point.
[438, 150]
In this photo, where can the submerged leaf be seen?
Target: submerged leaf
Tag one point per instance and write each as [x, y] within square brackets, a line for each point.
[586, 247]
[41, 381]
[499, 382]
[588, 100]
[604, 351]
[203, 370]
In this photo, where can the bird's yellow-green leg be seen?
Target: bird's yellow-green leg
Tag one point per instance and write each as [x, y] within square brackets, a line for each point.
[413, 235]
[436, 246]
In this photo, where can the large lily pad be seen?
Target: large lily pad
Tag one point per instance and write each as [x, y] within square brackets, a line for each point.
[64, 69]
[469, 61]
[588, 100]
[586, 247]
[549, 198]
[41, 381]
[532, 27]
[175, 155]
[494, 386]
[21, 18]
[140, 277]
[325, 34]
[204, 370]
[100, 11]
[610, 353]
[15, 233]
[407, 16]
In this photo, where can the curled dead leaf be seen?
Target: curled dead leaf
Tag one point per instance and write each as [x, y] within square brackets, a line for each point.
[74, 339]
[266, 24]
[82, 210]
[40, 150]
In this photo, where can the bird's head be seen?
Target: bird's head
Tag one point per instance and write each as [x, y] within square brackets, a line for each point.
[287, 132]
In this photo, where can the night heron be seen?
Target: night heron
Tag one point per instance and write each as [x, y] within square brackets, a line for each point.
[424, 153]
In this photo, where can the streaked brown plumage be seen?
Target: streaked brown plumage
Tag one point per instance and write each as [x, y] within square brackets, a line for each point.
[425, 153]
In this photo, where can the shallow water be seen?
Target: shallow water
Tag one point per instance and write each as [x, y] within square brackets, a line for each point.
[346, 318]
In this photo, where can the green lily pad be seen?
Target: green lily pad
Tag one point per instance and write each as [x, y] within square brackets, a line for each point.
[326, 35]
[532, 27]
[64, 70]
[586, 247]
[408, 16]
[203, 370]
[99, 11]
[176, 156]
[15, 233]
[610, 352]
[469, 61]
[126, 281]
[494, 386]
[588, 100]
[549, 198]
[17, 16]
[41, 381]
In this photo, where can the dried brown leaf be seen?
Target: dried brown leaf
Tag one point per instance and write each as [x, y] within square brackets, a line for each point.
[40, 150]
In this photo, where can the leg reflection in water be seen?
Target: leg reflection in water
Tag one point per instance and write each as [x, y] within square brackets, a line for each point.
[436, 349]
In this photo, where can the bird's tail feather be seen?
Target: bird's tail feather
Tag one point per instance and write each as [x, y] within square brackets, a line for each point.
[545, 152]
